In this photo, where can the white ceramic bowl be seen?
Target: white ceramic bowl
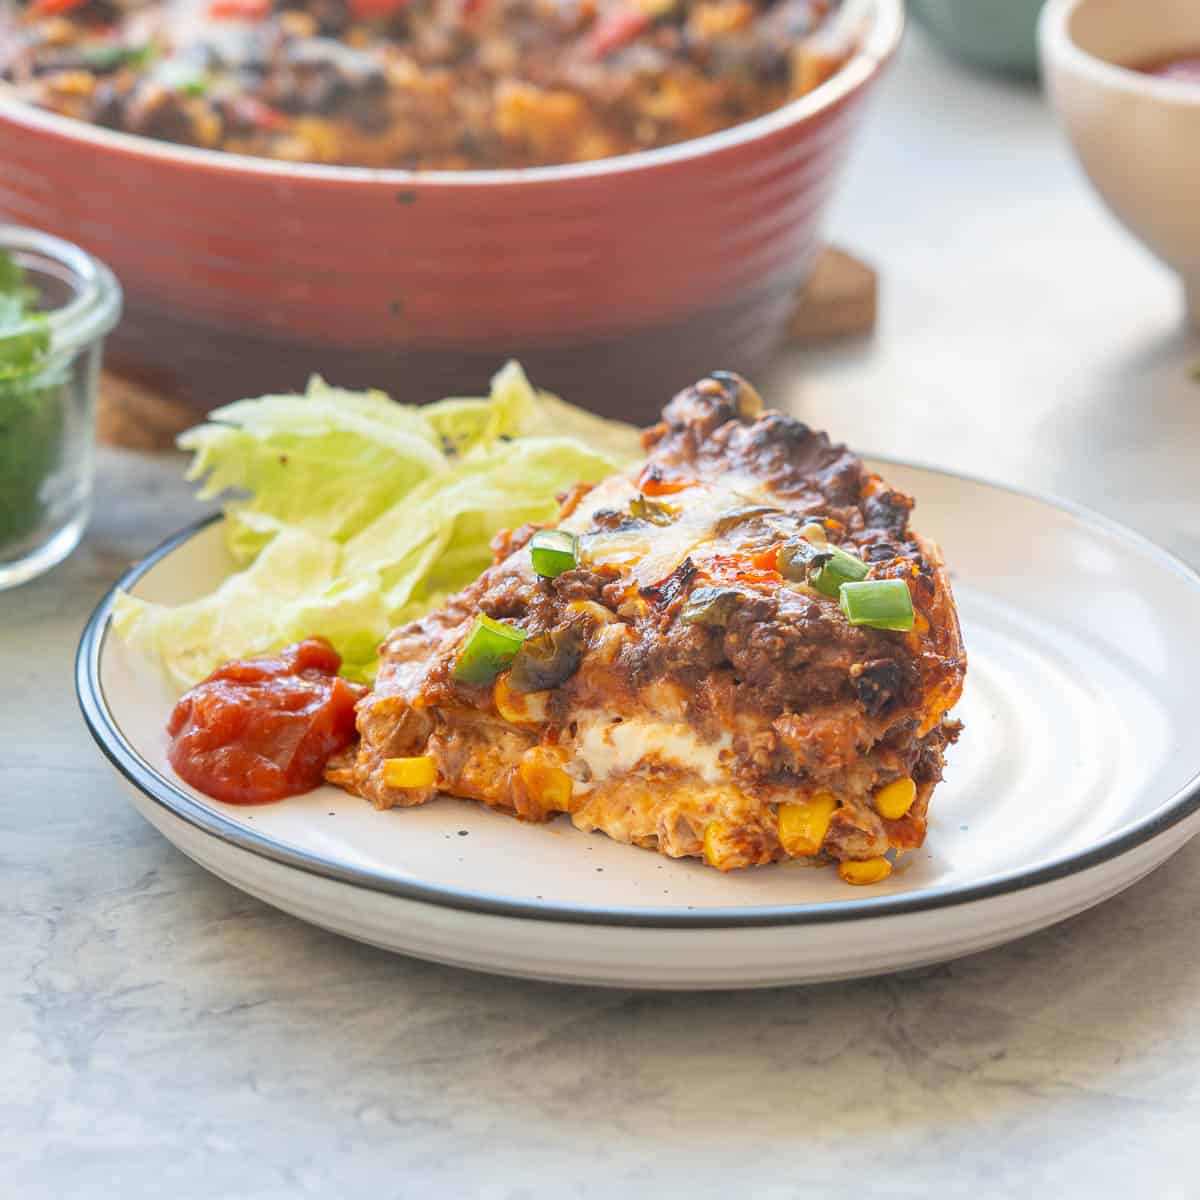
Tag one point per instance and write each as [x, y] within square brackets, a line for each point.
[1137, 136]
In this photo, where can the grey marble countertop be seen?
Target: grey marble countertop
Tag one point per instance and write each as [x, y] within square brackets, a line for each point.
[162, 1035]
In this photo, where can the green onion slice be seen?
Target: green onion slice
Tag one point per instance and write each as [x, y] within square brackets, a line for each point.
[488, 648]
[878, 604]
[839, 567]
[108, 56]
[820, 564]
[553, 551]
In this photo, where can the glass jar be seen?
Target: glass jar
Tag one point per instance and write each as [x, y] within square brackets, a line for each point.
[47, 414]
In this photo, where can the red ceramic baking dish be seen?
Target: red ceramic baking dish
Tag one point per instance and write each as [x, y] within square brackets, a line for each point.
[615, 281]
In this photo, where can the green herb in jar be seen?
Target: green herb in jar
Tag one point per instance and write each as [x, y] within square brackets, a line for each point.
[31, 412]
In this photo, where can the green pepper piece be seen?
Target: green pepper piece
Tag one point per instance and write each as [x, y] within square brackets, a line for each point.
[798, 558]
[547, 660]
[737, 516]
[710, 606]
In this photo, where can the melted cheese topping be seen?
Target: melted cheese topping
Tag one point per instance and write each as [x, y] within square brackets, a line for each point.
[651, 552]
[610, 747]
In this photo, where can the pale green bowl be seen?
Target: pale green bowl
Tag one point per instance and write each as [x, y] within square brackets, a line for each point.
[998, 34]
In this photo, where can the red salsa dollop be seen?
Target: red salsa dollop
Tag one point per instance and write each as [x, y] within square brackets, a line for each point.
[260, 729]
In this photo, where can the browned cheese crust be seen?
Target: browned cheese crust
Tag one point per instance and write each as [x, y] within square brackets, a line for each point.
[694, 737]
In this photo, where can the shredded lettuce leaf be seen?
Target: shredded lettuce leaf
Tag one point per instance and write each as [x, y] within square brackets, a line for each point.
[351, 514]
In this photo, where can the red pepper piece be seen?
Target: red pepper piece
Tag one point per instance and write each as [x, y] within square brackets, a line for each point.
[614, 30]
[54, 8]
[376, 10]
[654, 483]
[252, 111]
[743, 568]
[766, 560]
[239, 10]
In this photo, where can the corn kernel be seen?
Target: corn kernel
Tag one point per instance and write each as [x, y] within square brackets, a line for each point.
[57, 31]
[72, 83]
[714, 851]
[321, 137]
[418, 772]
[894, 800]
[518, 708]
[298, 24]
[549, 785]
[206, 125]
[714, 20]
[589, 608]
[870, 870]
[803, 824]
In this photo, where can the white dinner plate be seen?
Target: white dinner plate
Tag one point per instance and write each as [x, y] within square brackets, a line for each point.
[1078, 772]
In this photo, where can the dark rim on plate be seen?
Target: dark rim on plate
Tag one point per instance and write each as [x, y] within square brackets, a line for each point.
[157, 787]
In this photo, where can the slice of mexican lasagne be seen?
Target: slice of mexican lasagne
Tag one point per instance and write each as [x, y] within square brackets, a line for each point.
[739, 652]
